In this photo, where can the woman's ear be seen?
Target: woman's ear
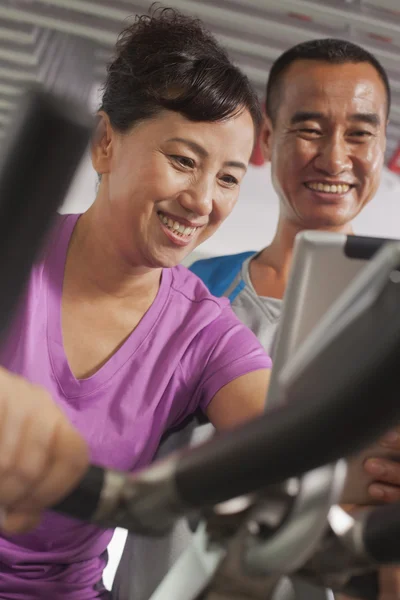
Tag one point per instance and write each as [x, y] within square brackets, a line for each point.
[102, 144]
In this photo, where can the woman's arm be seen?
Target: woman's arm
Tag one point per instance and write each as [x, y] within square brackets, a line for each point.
[240, 400]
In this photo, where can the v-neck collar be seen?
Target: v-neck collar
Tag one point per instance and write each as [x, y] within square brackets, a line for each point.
[55, 264]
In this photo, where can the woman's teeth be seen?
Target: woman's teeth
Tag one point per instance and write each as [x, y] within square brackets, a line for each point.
[176, 227]
[330, 189]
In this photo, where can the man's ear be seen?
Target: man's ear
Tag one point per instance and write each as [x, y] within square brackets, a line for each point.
[102, 144]
[386, 130]
[266, 138]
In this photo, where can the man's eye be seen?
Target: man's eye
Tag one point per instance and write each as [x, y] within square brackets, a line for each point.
[361, 134]
[310, 131]
[184, 161]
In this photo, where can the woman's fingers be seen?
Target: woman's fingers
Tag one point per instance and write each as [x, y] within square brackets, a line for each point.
[42, 457]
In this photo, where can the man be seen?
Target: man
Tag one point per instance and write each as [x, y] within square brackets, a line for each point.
[325, 134]
[327, 109]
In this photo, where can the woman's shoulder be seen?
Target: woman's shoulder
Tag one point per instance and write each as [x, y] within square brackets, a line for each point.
[53, 248]
[185, 283]
[209, 316]
[54, 235]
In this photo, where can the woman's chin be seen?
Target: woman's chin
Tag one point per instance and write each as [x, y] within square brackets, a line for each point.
[167, 260]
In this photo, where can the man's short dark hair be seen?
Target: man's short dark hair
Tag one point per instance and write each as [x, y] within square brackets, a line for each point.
[333, 51]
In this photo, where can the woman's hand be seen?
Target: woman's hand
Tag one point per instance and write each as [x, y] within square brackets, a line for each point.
[42, 457]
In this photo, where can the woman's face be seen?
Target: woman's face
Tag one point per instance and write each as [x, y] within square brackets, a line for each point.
[169, 183]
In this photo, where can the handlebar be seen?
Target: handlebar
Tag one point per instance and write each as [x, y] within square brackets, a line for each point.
[356, 373]
[348, 558]
[324, 400]
[38, 160]
[380, 534]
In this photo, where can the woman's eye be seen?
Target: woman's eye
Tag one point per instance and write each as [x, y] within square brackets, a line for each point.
[184, 161]
[229, 180]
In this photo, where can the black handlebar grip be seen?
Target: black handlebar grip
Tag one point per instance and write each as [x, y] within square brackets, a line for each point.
[381, 534]
[363, 247]
[39, 156]
[365, 586]
[83, 501]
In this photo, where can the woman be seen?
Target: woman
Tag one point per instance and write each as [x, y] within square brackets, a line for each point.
[126, 342]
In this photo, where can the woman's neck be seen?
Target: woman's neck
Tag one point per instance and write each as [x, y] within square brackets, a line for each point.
[95, 268]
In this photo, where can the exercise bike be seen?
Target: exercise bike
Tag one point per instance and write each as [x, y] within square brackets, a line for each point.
[265, 495]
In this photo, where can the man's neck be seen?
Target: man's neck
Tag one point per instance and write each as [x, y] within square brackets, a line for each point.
[270, 270]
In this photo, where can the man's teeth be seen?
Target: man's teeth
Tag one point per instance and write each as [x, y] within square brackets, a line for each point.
[330, 189]
[175, 226]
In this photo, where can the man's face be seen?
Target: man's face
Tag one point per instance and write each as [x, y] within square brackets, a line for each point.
[327, 143]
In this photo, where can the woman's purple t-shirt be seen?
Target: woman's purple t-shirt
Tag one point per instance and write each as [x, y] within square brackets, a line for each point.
[187, 346]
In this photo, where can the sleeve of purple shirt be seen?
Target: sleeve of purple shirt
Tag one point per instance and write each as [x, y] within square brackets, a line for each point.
[222, 352]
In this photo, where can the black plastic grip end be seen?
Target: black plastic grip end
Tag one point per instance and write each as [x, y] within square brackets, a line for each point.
[382, 534]
[83, 501]
[363, 247]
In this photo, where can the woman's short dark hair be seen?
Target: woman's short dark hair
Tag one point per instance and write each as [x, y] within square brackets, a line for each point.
[330, 50]
[166, 60]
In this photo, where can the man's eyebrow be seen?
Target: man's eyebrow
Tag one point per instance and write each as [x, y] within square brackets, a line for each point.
[301, 116]
[204, 154]
[369, 118]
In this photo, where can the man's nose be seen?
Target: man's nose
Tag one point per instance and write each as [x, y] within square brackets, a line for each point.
[334, 157]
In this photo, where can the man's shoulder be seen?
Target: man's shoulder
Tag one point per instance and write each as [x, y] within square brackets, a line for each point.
[219, 272]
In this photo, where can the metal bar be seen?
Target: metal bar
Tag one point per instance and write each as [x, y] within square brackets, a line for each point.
[212, 15]
[394, 84]
[17, 75]
[103, 36]
[334, 15]
[9, 90]
[14, 54]
[262, 51]
[6, 104]
[395, 110]
[386, 4]
[4, 119]
[20, 34]
[95, 9]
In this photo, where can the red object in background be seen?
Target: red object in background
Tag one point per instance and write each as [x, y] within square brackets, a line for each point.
[394, 163]
[380, 38]
[257, 158]
[299, 16]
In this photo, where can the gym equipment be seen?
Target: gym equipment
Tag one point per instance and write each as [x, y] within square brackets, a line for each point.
[265, 500]
[276, 525]
[323, 266]
[39, 156]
